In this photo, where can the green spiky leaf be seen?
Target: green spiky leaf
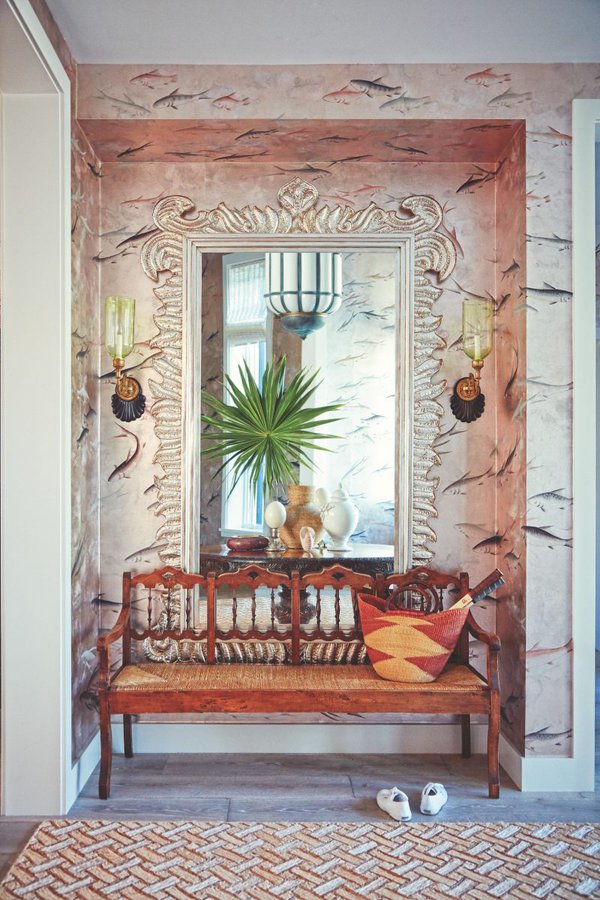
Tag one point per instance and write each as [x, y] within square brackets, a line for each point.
[268, 425]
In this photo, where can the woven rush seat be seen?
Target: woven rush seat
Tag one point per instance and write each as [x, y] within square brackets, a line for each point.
[166, 677]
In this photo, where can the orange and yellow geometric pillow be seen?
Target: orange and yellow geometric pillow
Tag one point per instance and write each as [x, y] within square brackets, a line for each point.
[404, 645]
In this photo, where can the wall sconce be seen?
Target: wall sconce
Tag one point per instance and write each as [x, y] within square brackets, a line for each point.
[467, 402]
[303, 288]
[128, 402]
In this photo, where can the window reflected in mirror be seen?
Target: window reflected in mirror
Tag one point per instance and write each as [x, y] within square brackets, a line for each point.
[355, 353]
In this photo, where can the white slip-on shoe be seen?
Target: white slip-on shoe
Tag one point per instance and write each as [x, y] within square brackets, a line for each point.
[395, 803]
[433, 797]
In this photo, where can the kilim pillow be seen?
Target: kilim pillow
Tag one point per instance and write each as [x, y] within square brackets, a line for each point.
[404, 645]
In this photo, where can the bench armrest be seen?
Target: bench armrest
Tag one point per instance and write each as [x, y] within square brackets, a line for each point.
[486, 637]
[104, 643]
[494, 645]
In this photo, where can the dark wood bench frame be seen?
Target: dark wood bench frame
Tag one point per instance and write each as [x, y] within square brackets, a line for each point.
[420, 588]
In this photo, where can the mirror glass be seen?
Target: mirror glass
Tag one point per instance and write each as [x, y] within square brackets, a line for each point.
[355, 353]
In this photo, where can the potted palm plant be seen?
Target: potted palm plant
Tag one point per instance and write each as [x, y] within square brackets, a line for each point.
[267, 430]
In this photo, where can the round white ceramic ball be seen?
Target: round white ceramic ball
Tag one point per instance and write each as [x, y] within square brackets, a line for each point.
[275, 514]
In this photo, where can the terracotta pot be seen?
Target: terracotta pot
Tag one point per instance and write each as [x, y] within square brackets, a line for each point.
[302, 511]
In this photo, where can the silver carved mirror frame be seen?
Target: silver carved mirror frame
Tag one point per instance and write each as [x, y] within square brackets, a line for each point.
[299, 223]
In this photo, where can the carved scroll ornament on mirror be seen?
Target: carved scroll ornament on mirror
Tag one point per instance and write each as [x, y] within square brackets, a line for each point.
[300, 222]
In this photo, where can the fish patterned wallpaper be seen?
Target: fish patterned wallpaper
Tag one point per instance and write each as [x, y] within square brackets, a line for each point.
[85, 436]
[504, 495]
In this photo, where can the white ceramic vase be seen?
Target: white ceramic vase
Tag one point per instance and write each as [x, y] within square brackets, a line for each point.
[339, 516]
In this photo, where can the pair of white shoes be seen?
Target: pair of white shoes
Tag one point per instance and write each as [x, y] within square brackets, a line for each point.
[395, 802]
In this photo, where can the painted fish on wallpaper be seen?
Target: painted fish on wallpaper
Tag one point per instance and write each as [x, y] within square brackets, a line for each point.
[412, 151]
[376, 87]
[543, 534]
[512, 377]
[490, 544]
[550, 498]
[336, 139]
[553, 241]
[487, 77]
[456, 487]
[545, 736]
[551, 136]
[98, 258]
[514, 267]
[153, 79]
[186, 154]
[230, 101]
[254, 133]
[548, 292]
[307, 169]
[509, 98]
[404, 103]
[95, 172]
[346, 159]
[480, 177]
[140, 201]
[537, 651]
[140, 235]
[125, 101]
[462, 290]
[170, 100]
[232, 156]
[137, 555]
[345, 95]
[352, 358]
[84, 432]
[534, 200]
[364, 189]
[488, 126]
[131, 150]
[131, 458]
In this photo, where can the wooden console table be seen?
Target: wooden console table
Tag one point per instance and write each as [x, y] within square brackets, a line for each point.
[371, 559]
[368, 559]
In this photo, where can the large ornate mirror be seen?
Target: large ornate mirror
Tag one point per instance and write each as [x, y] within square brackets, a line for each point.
[377, 356]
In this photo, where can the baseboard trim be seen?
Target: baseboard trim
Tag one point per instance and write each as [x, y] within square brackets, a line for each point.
[541, 774]
[151, 737]
[511, 761]
[82, 770]
[550, 773]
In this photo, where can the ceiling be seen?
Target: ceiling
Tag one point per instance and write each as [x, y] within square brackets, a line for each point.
[276, 32]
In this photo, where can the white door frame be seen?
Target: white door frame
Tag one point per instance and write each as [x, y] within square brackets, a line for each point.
[586, 113]
[35, 420]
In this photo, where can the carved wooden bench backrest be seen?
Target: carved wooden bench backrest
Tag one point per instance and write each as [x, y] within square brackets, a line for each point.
[170, 608]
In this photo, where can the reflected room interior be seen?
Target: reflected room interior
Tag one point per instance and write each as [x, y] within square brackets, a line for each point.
[354, 351]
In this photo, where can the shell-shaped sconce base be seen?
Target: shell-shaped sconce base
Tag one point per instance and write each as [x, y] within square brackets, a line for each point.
[467, 410]
[128, 410]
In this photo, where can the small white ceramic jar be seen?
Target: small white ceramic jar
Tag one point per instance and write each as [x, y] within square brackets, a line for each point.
[340, 518]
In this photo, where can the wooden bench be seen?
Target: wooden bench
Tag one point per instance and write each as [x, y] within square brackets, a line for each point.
[187, 628]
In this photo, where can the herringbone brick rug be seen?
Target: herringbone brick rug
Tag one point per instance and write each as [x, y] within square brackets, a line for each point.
[89, 859]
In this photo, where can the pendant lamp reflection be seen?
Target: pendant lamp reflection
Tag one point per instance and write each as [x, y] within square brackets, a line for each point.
[467, 402]
[303, 288]
[128, 402]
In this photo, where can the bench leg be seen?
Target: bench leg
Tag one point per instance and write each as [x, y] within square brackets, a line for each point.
[127, 738]
[465, 729]
[492, 747]
[105, 747]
